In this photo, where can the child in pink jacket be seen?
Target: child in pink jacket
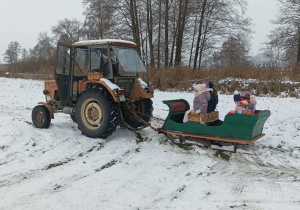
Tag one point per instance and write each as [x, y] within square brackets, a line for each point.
[200, 104]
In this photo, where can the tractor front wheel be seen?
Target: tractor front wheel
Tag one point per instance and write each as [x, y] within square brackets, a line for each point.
[40, 117]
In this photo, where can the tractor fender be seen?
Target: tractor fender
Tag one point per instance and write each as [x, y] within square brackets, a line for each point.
[138, 92]
[49, 109]
[104, 85]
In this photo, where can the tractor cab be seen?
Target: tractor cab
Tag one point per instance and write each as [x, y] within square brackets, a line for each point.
[117, 61]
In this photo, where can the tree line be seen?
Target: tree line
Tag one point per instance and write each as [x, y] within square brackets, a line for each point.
[283, 45]
[170, 33]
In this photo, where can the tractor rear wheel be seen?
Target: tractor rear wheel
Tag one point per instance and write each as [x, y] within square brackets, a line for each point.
[143, 109]
[40, 117]
[97, 115]
[73, 117]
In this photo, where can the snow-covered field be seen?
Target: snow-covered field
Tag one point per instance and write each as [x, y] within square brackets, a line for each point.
[59, 168]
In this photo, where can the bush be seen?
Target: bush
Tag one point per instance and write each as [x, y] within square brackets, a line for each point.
[263, 80]
[260, 80]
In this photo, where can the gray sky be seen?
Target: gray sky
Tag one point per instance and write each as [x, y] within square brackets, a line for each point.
[23, 20]
[261, 12]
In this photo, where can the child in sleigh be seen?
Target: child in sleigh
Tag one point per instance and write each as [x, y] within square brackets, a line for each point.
[200, 103]
[245, 103]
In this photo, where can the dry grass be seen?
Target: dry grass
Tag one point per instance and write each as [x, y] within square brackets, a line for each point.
[260, 80]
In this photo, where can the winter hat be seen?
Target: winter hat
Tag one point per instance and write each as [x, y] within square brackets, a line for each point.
[105, 54]
[246, 94]
[237, 96]
[210, 84]
[201, 88]
[206, 83]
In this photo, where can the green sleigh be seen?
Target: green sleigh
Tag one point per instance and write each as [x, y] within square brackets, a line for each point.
[236, 128]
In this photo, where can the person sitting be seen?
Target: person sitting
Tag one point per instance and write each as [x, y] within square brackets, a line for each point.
[246, 95]
[251, 99]
[214, 99]
[200, 103]
[243, 106]
[104, 67]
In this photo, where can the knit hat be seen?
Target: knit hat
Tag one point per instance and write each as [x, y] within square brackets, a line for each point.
[206, 83]
[237, 96]
[201, 88]
[246, 95]
[105, 54]
[210, 84]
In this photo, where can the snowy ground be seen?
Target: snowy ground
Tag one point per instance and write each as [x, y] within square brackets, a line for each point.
[59, 168]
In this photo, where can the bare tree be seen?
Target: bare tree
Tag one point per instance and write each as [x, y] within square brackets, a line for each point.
[166, 33]
[182, 17]
[68, 30]
[24, 54]
[100, 18]
[218, 20]
[234, 51]
[168, 25]
[134, 19]
[159, 33]
[202, 14]
[286, 37]
[45, 46]
[12, 53]
[150, 31]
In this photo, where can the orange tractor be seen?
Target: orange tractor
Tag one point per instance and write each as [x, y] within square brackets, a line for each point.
[97, 84]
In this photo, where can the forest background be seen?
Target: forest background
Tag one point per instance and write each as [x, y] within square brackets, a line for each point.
[182, 42]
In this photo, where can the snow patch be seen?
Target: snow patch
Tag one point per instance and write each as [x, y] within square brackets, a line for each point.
[111, 85]
[59, 168]
[143, 84]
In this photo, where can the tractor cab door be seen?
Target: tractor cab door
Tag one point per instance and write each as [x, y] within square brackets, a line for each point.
[62, 74]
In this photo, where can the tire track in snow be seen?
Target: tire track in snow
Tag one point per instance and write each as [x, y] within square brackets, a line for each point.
[252, 166]
[243, 171]
[238, 187]
[276, 190]
[12, 178]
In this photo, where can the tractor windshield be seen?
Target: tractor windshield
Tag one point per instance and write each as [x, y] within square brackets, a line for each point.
[129, 59]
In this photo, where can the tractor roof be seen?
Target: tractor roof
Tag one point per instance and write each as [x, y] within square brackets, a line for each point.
[105, 41]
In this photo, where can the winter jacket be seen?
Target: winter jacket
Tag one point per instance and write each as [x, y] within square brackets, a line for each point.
[243, 107]
[201, 102]
[212, 103]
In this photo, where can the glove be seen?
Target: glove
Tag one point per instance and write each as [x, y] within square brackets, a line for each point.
[198, 111]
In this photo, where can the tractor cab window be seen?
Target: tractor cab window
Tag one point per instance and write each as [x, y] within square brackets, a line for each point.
[129, 60]
[63, 60]
[81, 64]
[100, 60]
